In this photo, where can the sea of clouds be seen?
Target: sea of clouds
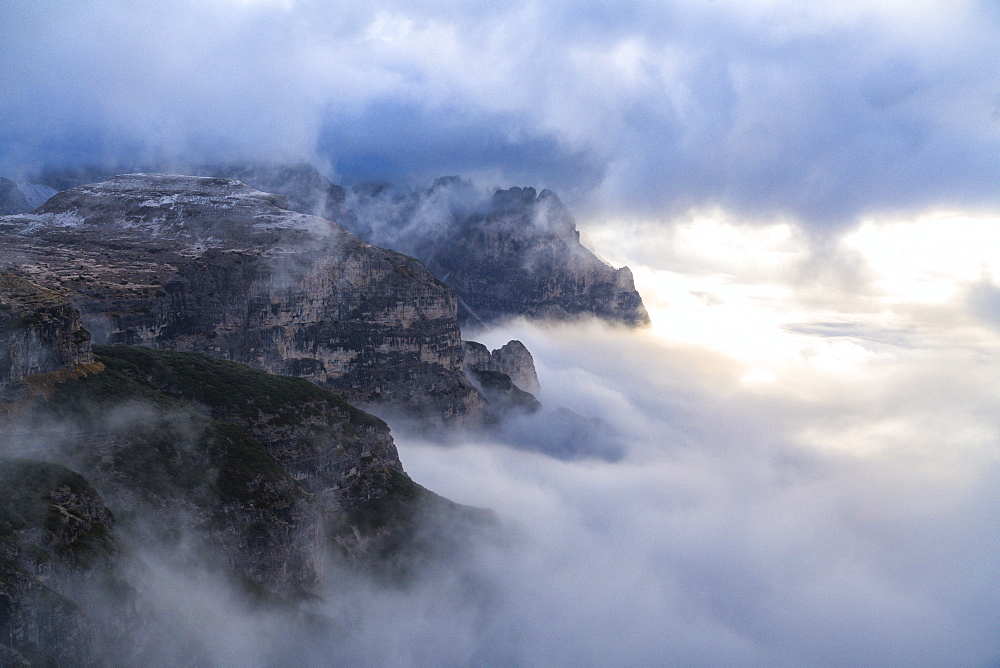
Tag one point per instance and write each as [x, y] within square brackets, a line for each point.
[815, 484]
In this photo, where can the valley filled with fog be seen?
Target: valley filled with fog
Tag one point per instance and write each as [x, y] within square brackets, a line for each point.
[809, 474]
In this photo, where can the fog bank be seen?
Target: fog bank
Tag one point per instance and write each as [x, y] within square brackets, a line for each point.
[814, 484]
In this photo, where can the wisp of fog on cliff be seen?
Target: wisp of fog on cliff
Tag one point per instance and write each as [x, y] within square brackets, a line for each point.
[811, 466]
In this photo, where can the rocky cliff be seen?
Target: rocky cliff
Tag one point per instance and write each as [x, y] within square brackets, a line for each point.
[262, 481]
[211, 265]
[40, 332]
[503, 376]
[56, 539]
[516, 254]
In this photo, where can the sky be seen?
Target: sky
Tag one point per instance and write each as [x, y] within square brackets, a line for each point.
[823, 111]
[806, 194]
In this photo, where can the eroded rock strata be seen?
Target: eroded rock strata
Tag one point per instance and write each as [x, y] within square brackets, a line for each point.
[503, 376]
[515, 253]
[211, 265]
[40, 332]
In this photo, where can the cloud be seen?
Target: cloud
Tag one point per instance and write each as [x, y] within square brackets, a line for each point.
[809, 473]
[824, 521]
[837, 507]
[821, 113]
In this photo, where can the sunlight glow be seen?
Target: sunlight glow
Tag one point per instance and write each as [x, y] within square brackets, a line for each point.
[761, 296]
[930, 259]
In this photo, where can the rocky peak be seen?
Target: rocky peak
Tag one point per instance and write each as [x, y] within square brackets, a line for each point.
[516, 253]
[514, 360]
[212, 265]
[506, 376]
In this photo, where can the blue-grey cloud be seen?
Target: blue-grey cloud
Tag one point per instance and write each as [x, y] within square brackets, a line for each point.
[823, 112]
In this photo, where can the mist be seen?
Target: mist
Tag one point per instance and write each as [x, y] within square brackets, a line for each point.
[828, 499]
[796, 465]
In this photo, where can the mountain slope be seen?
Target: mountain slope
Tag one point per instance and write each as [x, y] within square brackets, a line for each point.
[212, 265]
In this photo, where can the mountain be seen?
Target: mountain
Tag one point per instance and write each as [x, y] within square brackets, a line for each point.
[180, 362]
[515, 253]
[115, 453]
[211, 265]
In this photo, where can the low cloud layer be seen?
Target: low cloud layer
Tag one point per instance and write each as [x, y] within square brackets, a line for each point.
[821, 112]
[828, 500]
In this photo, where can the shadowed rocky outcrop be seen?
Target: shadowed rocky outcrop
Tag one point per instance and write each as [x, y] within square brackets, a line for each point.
[56, 539]
[503, 376]
[258, 479]
[40, 332]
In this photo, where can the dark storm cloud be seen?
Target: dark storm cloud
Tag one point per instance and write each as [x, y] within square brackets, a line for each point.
[820, 111]
[434, 142]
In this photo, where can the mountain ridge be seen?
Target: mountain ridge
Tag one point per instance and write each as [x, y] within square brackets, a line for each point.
[514, 252]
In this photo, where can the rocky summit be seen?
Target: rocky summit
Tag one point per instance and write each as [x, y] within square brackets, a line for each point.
[522, 256]
[513, 253]
[212, 265]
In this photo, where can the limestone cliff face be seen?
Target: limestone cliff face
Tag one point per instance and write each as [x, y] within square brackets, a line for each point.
[40, 331]
[513, 359]
[522, 256]
[517, 254]
[503, 376]
[211, 265]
